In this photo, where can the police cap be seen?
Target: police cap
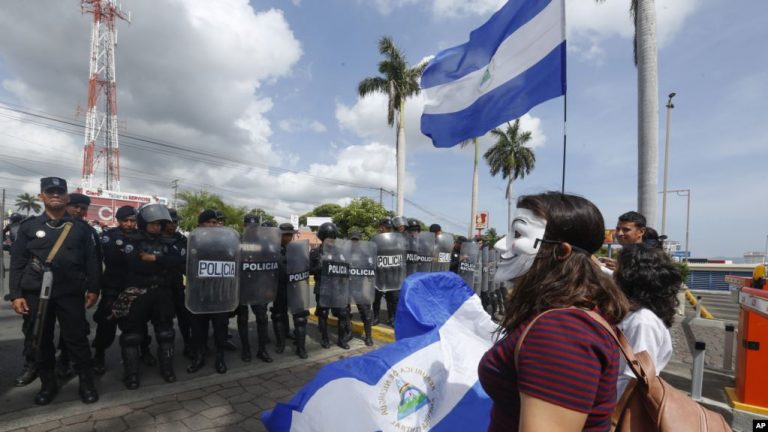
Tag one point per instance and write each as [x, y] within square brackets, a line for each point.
[206, 215]
[48, 183]
[414, 225]
[79, 199]
[287, 228]
[435, 228]
[127, 211]
[386, 222]
[250, 219]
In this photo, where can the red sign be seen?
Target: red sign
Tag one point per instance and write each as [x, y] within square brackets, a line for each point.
[104, 204]
[481, 220]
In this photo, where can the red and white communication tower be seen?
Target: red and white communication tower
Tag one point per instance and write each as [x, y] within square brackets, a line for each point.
[101, 123]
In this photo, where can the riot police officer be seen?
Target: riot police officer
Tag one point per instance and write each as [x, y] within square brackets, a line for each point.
[200, 322]
[328, 230]
[113, 243]
[262, 321]
[280, 306]
[150, 260]
[183, 317]
[400, 224]
[53, 251]
[364, 308]
[385, 226]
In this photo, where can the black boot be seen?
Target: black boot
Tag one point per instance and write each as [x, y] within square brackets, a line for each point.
[28, 374]
[322, 324]
[365, 315]
[344, 332]
[287, 329]
[146, 356]
[165, 352]
[131, 358]
[300, 332]
[49, 388]
[220, 365]
[280, 334]
[262, 328]
[87, 389]
[197, 362]
[98, 362]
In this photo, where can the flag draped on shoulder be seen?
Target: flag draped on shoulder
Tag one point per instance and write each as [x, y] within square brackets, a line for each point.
[510, 64]
[425, 380]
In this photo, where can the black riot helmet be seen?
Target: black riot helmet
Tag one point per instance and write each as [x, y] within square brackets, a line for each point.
[250, 219]
[15, 217]
[152, 213]
[327, 230]
[399, 221]
[268, 224]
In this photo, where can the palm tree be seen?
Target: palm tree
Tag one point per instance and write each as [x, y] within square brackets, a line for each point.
[643, 13]
[27, 202]
[510, 157]
[399, 82]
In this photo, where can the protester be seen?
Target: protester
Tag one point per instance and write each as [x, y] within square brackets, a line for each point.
[630, 229]
[651, 281]
[564, 376]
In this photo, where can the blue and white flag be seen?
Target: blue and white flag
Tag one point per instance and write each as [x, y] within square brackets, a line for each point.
[425, 380]
[512, 63]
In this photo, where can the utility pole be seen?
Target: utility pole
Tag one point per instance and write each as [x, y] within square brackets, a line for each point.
[381, 197]
[473, 210]
[666, 167]
[2, 252]
[175, 186]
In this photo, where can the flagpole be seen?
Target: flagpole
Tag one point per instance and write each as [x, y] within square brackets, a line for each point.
[565, 101]
[565, 136]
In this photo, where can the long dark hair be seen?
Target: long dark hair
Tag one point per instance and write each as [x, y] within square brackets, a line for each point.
[650, 280]
[557, 279]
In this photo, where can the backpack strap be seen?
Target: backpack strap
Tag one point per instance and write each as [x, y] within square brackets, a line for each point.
[616, 335]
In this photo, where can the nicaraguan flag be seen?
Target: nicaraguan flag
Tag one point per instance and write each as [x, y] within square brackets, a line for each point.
[512, 63]
[425, 380]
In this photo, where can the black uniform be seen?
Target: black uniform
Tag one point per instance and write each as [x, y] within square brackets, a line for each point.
[76, 269]
[343, 314]
[148, 297]
[183, 316]
[280, 312]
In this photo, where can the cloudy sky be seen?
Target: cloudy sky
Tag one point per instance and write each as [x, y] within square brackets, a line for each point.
[257, 101]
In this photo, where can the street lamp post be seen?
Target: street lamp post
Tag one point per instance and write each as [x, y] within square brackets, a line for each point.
[687, 193]
[666, 167]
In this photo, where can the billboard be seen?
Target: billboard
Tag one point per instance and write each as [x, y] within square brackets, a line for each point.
[105, 203]
[481, 220]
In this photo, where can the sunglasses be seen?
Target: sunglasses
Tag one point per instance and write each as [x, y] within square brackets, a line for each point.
[556, 242]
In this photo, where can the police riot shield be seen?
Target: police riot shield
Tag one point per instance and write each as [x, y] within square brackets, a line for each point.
[425, 247]
[443, 249]
[362, 271]
[484, 285]
[468, 262]
[390, 261]
[259, 254]
[333, 287]
[492, 258]
[212, 270]
[297, 267]
[411, 254]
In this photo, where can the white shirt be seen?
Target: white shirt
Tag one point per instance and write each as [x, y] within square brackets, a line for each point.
[645, 332]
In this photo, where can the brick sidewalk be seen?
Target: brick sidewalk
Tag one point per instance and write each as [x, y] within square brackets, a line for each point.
[231, 405]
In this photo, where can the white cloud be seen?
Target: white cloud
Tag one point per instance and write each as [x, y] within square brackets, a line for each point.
[461, 8]
[301, 125]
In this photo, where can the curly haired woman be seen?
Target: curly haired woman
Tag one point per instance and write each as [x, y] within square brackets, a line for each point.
[651, 281]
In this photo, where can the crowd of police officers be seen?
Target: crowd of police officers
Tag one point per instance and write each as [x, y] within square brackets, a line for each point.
[145, 271]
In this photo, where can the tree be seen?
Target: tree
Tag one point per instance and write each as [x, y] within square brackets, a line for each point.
[399, 82]
[362, 214]
[643, 13]
[196, 202]
[27, 202]
[265, 217]
[490, 237]
[323, 210]
[510, 157]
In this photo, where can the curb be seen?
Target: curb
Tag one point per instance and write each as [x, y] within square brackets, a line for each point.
[378, 332]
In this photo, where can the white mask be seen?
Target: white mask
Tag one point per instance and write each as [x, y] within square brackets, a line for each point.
[521, 246]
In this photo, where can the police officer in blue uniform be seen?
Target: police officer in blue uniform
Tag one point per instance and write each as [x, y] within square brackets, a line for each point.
[75, 270]
[183, 316]
[280, 306]
[326, 231]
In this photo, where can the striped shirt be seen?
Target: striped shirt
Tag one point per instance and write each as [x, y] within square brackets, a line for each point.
[567, 359]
